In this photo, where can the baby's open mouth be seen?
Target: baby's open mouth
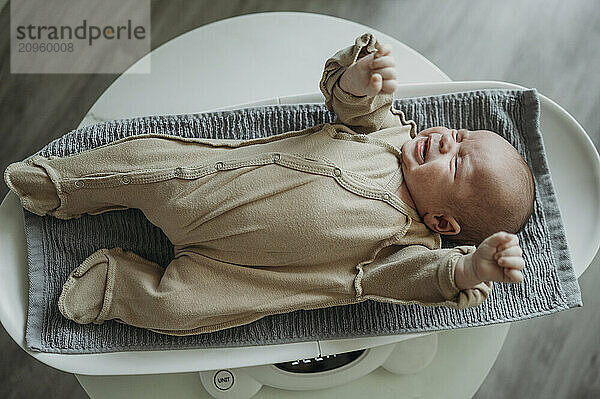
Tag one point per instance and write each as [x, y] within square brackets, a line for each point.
[422, 150]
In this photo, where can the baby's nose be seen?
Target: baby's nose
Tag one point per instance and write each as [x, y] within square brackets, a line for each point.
[446, 142]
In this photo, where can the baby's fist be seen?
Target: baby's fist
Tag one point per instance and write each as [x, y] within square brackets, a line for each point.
[499, 258]
[372, 74]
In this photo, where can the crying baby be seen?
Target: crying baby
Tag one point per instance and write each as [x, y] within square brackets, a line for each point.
[331, 215]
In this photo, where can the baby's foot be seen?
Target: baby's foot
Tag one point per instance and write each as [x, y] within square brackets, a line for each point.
[33, 186]
[83, 295]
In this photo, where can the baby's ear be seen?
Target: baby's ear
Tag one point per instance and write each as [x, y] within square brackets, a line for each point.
[442, 224]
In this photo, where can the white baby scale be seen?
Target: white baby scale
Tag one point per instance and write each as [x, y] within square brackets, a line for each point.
[412, 364]
[241, 372]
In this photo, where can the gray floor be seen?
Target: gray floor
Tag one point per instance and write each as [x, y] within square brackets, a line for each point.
[549, 45]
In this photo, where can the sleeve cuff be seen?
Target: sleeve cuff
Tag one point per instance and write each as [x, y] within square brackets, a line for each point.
[340, 61]
[474, 296]
[363, 45]
[446, 273]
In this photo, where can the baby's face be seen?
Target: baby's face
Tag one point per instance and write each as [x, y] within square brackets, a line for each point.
[441, 164]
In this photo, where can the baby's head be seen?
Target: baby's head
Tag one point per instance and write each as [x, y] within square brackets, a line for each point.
[467, 184]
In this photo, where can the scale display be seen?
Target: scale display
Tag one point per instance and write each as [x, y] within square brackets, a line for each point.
[320, 364]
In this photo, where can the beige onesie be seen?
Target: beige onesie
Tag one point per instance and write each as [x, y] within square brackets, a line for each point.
[302, 220]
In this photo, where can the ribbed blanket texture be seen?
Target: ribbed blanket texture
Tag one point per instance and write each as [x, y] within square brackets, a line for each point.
[55, 246]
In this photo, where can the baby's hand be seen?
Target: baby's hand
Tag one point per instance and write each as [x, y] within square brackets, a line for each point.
[372, 74]
[499, 258]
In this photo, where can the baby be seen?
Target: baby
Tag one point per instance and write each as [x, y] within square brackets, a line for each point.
[476, 182]
[331, 215]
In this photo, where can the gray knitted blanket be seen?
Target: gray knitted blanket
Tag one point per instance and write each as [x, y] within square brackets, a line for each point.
[55, 247]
